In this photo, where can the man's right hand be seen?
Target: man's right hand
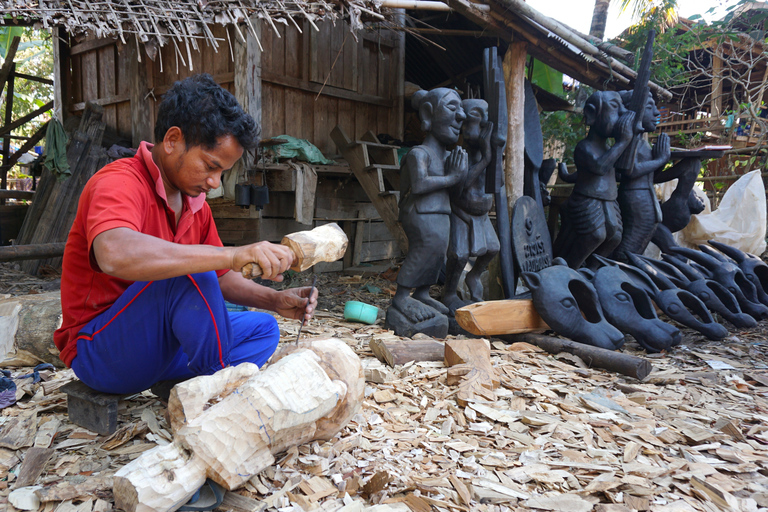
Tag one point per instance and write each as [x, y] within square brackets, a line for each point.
[274, 259]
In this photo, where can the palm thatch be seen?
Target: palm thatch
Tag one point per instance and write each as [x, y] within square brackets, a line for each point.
[183, 23]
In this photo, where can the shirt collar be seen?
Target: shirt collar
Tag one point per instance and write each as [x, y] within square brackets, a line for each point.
[145, 155]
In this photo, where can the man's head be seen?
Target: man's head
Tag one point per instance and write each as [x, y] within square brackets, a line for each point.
[200, 132]
[603, 110]
[204, 111]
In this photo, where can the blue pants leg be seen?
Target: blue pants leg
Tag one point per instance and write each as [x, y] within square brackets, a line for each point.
[171, 329]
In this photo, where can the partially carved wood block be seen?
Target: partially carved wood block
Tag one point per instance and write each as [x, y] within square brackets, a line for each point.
[228, 426]
[470, 368]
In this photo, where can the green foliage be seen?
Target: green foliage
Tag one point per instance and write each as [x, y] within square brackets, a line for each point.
[7, 34]
[546, 77]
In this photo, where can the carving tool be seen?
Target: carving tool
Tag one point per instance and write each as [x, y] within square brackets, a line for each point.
[311, 290]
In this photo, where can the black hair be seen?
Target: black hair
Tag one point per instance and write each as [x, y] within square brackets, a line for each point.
[204, 111]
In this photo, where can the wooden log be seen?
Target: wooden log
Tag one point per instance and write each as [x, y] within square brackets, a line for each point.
[625, 364]
[500, 317]
[470, 368]
[397, 351]
[514, 161]
[27, 323]
[228, 426]
[31, 252]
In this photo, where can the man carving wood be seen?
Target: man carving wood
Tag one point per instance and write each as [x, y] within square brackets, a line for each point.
[145, 275]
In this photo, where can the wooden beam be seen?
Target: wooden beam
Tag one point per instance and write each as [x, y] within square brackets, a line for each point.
[716, 101]
[110, 100]
[514, 161]
[7, 68]
[26, 195]
[33, 78]
[93, 44]
[8, 128]
[28, 145]
[335, 92]
[8, 118]
[61, 74]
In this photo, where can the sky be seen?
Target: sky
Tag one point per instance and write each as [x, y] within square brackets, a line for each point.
[578, 13]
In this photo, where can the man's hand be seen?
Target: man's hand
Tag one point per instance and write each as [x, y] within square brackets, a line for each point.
[292, 303]
[274, 259]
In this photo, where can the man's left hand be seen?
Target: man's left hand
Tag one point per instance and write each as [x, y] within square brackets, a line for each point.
[292, 303]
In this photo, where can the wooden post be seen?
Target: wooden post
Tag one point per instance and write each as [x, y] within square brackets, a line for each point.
[716, 101]
[514, 161]
[141, 106]
[7, 138]
[400, 99]
[60, 75]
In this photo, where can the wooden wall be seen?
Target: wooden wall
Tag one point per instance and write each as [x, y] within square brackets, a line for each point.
[359, 83]
[311, 80]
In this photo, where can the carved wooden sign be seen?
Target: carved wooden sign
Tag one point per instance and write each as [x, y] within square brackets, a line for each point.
[532, 244]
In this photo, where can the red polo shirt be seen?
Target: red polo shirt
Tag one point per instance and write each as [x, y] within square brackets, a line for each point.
[126, 193]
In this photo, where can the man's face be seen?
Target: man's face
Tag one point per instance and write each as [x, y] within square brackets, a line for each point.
[197, 169]
[447, 119]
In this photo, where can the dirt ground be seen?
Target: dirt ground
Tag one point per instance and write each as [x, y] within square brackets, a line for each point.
[558, 434]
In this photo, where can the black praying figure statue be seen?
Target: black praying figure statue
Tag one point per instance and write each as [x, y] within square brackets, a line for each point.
[637, 197]
[472, 234]
[592, 220]
[426, 175]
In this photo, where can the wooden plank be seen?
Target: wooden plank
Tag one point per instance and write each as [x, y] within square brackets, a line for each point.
[35, 460]
[500, 317]
[293, 108]
[328, 90]
[90, 45]
[293, 51]
[42, 80]
[273, 230]
[376, 251]
[104, 102]
[140, 106]
[281, 179]
[308, 110]
[396, 351]
[376, 231]
[62, 63]
[90, 76]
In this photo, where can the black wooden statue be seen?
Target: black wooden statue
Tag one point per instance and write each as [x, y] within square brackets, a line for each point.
[426, 176]
[472, 234]
[591, 217]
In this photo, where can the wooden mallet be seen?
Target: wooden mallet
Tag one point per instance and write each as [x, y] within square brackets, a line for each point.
[324, 243]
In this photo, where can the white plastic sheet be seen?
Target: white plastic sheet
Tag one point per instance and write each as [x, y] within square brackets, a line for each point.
[739, 221]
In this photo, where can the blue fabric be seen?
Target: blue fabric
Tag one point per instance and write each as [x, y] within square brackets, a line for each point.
[164, 330]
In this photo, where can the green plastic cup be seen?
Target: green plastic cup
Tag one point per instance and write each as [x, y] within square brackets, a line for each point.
[360, 312]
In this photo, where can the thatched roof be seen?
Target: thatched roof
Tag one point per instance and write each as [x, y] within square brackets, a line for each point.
[178, 22]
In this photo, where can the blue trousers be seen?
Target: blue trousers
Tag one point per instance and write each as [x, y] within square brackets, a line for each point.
[171, 329]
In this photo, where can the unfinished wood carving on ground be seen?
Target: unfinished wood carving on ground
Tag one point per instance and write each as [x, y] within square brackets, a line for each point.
[228, 426]
[469, 367]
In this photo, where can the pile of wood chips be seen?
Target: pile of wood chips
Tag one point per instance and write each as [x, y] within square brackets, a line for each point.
[560, 436]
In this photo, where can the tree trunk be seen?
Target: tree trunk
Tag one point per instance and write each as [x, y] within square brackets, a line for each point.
[599, 18]
[228, 426]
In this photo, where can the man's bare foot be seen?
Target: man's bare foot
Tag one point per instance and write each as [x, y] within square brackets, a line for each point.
[412, 309]
[423, 296]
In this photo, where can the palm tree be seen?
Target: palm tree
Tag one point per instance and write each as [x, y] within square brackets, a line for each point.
[641, 9]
